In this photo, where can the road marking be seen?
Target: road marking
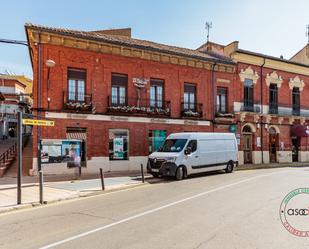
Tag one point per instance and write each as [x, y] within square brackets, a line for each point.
[60, 242]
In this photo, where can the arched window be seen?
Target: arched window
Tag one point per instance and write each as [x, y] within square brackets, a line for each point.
[246, 128]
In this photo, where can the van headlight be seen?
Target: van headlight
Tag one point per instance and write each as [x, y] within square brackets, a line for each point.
[171, 159]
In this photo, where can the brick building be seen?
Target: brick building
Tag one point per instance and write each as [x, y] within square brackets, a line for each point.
[119, 97]
[270, 105]
[15, 91]
[107, 87]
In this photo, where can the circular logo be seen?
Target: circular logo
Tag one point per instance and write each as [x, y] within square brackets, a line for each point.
[294, 212]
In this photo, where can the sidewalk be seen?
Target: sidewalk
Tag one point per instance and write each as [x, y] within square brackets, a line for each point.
[60, 190]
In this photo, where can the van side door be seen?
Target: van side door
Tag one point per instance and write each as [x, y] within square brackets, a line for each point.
[191, 160]
[208, 155]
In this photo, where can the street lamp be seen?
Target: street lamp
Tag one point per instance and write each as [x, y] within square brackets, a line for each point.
[49, 63]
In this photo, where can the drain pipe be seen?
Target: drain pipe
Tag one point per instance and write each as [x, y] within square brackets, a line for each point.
[261, 116]
[213, 95]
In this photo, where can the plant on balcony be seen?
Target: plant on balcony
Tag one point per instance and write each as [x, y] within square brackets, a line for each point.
[136, 109]
[224, 115]
[190, 113]
[79, 106]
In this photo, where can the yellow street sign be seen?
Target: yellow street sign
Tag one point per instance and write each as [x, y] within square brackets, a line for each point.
[38, 122]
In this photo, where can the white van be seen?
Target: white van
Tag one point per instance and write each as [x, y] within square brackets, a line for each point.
[186, 153]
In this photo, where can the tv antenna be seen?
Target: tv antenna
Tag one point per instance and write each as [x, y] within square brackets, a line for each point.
[208, 26]
[307, 32]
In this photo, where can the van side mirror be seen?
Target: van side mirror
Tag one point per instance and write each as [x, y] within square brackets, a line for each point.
[188, 151]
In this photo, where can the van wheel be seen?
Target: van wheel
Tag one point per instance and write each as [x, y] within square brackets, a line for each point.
[179, 173]
[229, 167]
[155, 175]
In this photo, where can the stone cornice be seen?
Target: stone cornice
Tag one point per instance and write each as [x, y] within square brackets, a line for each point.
[114, 49]
[270, 63]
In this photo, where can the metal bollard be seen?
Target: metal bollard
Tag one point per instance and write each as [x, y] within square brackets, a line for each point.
[41, 186]
[102, 179]
[142, 171]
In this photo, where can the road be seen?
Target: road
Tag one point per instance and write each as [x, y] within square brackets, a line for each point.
[238, 210]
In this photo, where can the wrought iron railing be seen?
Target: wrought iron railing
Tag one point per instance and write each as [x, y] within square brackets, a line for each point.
[77, 101]
[189, 109]
[138, 106]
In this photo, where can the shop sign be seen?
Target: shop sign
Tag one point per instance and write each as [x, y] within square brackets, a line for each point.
[61, 151]
[258, 142]
[233, 128]
[140, 82]
[118, 148]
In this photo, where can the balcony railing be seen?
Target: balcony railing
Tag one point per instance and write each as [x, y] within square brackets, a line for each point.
[249, 108]
[78, 102]
[138, 106]
[273, 108]
[296, 110]
[192, 110]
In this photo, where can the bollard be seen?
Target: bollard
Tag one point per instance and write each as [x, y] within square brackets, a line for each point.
[41, 186]
[102, 179]
[142, 171]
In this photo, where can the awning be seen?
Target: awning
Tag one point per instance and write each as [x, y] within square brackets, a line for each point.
[300, 131]
[76, 135]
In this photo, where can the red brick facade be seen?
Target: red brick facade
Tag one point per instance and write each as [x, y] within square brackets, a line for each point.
[99, 68]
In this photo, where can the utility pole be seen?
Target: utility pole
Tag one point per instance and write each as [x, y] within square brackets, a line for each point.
[19, 154]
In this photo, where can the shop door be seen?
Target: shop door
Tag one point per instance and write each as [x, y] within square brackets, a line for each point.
[295, 148]
[273, 148]
[247, 148]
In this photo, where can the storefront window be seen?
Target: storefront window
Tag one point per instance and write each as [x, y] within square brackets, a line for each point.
[118, 144]
[156, 138]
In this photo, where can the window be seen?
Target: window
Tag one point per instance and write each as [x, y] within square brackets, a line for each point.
[156, 139]
[119, 89]
[193, 145]
[118, 144]
[76, 84]
[222, 100]
[296, 101]
[190, 97]
[156, 93]
[173, 145]
[248, 95]
[273, 99]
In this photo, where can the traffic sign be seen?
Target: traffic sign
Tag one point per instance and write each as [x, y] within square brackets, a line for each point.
[38, 122]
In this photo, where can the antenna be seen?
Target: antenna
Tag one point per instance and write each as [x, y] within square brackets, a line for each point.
[208, 26]
[307, 32]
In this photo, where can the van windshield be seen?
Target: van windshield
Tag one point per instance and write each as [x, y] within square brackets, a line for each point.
[173, 145]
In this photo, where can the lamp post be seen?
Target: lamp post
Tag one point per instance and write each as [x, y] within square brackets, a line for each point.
[49, 64]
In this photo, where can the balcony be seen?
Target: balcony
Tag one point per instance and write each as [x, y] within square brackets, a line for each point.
[191, 110]
[141, 107]
[77, 102]
[273, 108]
[296, 110]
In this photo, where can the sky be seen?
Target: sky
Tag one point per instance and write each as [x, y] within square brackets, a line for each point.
[273, 27]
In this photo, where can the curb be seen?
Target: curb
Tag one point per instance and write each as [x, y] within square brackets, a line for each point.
[78, 195]
[239, 168]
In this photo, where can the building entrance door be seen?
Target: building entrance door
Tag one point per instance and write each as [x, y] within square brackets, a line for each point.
[247, 148]
[273, 141]
[295, 148]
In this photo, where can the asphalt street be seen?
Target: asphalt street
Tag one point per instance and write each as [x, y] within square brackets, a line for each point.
[238, 210]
